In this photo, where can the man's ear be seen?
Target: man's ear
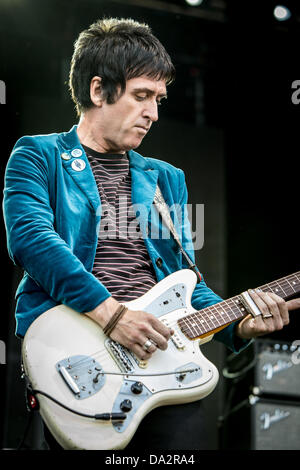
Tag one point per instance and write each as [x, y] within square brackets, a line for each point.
[96, 91]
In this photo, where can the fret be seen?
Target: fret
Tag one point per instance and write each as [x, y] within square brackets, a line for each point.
[223, 313]
[294, 290]
[193, 325]
[197, 327]
[207, 318]
[185, 328]
[295, 281]
[189, 325]
[238, 311]
[211, 312]
[220, 312]
[284, 287]
[289, 290]
[295, 275]
[277, 289]
[199, 324]
[213, 316]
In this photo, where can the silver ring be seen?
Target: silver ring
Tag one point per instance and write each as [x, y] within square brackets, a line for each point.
[268, 315]
[147, 345]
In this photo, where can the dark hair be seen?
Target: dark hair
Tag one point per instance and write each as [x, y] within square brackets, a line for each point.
[115, 50]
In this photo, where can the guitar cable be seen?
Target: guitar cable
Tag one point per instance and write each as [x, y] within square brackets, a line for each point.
[33, 406]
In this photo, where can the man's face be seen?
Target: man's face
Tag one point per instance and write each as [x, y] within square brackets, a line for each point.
[123, 125]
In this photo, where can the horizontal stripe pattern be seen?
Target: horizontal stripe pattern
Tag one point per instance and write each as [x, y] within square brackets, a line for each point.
[122, 262]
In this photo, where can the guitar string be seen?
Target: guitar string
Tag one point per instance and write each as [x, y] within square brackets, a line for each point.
[104, 353]
[207, 311]
[128, 374]
[174, 324]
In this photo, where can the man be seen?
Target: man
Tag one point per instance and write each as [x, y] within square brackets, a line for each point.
[60, 188]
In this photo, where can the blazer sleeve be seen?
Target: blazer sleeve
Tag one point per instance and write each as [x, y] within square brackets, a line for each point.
[32, 240]
[203, 296]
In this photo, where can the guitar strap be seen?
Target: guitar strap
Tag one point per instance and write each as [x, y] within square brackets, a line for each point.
[162, 208]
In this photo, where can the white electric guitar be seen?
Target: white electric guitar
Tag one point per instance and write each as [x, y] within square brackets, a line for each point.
[93, 392]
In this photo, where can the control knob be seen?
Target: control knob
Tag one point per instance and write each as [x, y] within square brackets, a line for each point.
[126, 405]
[136, 388]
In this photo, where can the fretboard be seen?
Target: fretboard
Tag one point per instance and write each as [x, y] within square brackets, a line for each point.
[217, 316]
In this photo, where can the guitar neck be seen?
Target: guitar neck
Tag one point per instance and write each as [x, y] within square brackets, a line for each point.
[216, 317]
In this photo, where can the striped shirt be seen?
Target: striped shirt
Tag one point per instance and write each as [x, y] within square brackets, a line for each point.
[122, 262]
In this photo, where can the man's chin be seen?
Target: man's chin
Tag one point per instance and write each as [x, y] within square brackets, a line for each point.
[134, 144]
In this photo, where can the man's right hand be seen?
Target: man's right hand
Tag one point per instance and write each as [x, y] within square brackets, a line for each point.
[133, 329]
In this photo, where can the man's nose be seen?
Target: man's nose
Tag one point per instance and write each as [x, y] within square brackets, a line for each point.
[151, 111]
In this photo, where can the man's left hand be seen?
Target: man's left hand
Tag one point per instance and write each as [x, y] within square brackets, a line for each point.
[274, 315]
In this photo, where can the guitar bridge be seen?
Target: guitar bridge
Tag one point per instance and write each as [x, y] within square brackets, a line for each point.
[120, 355]
[82, 374]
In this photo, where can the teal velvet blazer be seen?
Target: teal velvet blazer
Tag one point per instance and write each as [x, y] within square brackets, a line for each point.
[52, 215]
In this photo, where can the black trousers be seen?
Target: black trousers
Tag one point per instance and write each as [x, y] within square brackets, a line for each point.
[175, 427]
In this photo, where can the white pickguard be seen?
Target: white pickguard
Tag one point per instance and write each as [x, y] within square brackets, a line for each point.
[61, 333]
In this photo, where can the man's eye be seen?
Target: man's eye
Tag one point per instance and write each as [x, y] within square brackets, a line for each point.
[140, 97]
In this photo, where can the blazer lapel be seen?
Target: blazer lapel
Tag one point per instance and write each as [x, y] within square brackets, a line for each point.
[75, 162]
[143, 180]
[143, 185]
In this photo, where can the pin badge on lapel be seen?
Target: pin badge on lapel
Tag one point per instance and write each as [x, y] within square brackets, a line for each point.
[78, 165]
[65, 156]
[76, 153]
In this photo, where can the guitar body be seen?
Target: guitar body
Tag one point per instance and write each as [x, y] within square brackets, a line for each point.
[67, 356]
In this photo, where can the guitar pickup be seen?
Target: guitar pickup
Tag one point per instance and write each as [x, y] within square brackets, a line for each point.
[175, 338]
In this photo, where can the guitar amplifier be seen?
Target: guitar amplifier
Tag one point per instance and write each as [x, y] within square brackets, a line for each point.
[277, 369]
[262, 424]
[265, 368]
[275, 425]
[262, 407]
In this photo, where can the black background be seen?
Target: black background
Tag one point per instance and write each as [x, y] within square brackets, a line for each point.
[247, 62]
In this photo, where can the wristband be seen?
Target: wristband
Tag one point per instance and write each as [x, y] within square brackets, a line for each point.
[114, 319]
